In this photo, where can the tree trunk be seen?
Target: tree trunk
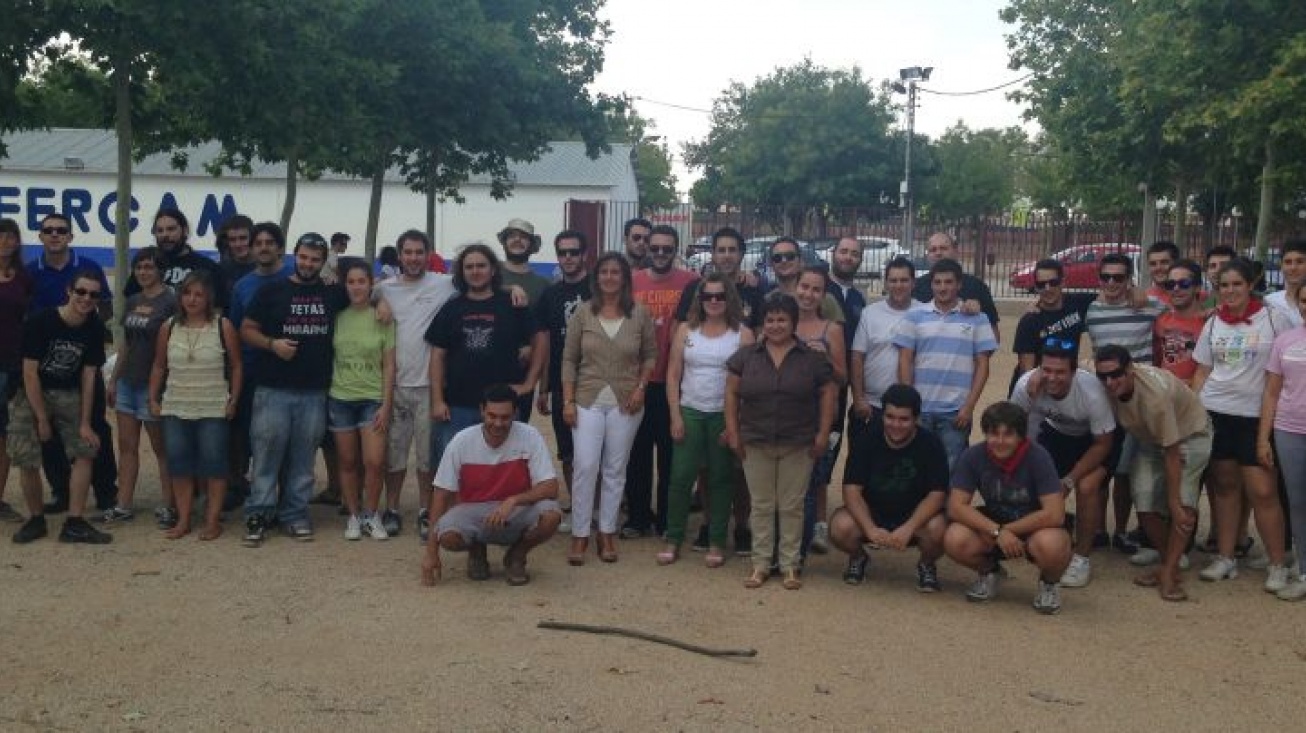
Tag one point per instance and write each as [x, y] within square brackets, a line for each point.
[122, 101]
[374, 211]
[292, 188]
[1181, 215]
[1265, 216]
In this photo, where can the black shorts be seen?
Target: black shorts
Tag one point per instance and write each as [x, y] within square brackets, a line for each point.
[1066, 450]
[1234, 438]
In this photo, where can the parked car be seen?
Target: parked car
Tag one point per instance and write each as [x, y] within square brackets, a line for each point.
[1080, 263]
[756, 257]
[876, 252]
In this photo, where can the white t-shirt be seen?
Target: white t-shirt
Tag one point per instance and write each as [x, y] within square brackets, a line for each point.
[1237, 355]
[1278, 302]
[874, 339]
[479, 473]
[703, 381]
[1085, 410]
[414, 304]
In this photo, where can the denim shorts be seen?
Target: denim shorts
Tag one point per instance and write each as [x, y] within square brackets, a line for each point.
[344, 416]
[196, 448]
[134, 401]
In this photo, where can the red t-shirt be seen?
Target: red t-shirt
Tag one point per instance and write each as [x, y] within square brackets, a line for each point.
[1173, 339]
[436, 263]
[660, 296]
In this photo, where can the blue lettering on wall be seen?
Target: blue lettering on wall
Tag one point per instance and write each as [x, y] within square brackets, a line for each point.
[169, 201]
[37, 208]
[212, 215]
[6, 208]
[77, 203]
[107, 208]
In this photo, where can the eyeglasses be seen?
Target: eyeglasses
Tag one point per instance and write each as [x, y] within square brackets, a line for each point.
[84, 293]
[639, 237]
[665, 250]
[1045, 284]
[1183, 284]
[709, 297]
[1114, 374]
[570, 252]
[779, 257]
[1113, 277]
[1057, 344]
[52, 231]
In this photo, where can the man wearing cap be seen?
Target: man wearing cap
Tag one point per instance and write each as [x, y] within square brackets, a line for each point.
[519, 242]
[290, 324]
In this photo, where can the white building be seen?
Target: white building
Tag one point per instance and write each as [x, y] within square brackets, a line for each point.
[74, 171]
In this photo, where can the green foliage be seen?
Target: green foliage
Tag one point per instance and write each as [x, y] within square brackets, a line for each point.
[977, 172]
[67, 93]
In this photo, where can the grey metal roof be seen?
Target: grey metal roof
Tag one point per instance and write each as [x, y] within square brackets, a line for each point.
[564, 164]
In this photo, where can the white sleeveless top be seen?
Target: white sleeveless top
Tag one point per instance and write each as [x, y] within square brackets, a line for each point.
[703, 384]
[197, 383]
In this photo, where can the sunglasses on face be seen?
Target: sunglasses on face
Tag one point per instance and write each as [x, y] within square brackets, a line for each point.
[1113, 277]
[712, 297]
[1049, 283]
[53, 231]
[84, 293]
[1184, 284]
[569, 253]
[1113, 374]
[639, 237]
[779, 257]
[662, 250]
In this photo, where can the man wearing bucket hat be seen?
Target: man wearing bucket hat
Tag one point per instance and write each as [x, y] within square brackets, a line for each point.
[519, 242]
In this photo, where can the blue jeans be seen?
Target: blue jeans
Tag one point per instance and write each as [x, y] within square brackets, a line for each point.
[954, 441]
[286, 428]
[196, 448]
[442, 433]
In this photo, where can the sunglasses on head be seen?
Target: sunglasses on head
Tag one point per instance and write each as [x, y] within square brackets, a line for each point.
[1058, 344]
[709, 297]
[1113, 277]
[84, 293]
[54, 230]
[1054, 282]
[784, 257]
[1184, 284]
[1113, 374]
[663, 250]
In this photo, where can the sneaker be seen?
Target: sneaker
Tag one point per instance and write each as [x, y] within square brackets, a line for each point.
[701, 542]
[33, 529]
[1256, 561]
[855, 573]
[256, 530]
[165, 517]
[1221, 568]
[423, 525]
[1144, 557]
[353, 528]
[117, 514]
[985, 588]
[514, 565]
[1077, 575]
[9, 514]
[820, 538]
[478, 564]
[927, 578]
[1124, 543]
[1277, 578]
[392, 522]
[1048, 600]
[79, 531]
[373, 527]
[1294, 591]
[302, 531]
[743, 542]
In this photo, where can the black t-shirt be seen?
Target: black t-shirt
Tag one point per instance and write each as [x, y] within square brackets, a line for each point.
[60, 350]
[302, 312]
[552, 311]
[1066, 322]
[481, 340]
[895, 481]
[749, 296]
[174, 269]
[972, 288]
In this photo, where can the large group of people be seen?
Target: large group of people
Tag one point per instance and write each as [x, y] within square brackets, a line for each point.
[664, 391]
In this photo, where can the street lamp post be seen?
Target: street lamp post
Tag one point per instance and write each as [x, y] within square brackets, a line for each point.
[912, 76]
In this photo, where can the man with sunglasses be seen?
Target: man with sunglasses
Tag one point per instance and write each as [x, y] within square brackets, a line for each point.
[1056, 315]
[787, 265]
[1069, 416]
[658, 288]
[1173, 433]
[635, 237]
[1176, 331]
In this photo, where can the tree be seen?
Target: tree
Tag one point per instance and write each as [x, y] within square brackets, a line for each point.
[976, 172]
[25, 30]
[67, 92]
[652, 159]
[803, 137]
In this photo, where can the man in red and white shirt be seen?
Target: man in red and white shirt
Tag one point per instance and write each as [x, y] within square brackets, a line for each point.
[495, 486]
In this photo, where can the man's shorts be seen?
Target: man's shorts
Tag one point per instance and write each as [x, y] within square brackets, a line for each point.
[468, 520]
[134, 401]
[1124, 448]
[1148, 474]
[63, 408]
[9, 383]
[1066, 450]
[410, 423]
[1234, 438]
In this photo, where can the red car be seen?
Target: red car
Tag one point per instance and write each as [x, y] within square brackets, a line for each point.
[1080, 263]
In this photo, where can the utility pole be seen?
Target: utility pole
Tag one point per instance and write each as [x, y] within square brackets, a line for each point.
[912, 76]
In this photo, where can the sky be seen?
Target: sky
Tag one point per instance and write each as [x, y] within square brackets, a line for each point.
[686, 52]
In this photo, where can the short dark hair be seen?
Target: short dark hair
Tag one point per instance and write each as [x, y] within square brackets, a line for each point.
[87, 273]
[1116, 258]
[354, 263]
[1241, 265]
[1114, 352]
[460, 282]
[57, 215]
[902, 395]
[575, 234]
[1293, 245]
[785, 240]
[498, 393]
[666, 230]
[9, 226]
[638, 221]
[899, 263]
[1220, 250]
[780, 302]
[239, 221]
[946, 266]
[1163, 246]
[414, 234]
[1191, 266]
[1050, 264]
[147, 254]
[268, 227]
[727, 232]
[1004, 414]
[816, 270]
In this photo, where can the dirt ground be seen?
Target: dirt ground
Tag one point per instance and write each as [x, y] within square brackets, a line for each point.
[147, 634]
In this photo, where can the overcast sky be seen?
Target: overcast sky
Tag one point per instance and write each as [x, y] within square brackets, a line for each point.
[686, 52]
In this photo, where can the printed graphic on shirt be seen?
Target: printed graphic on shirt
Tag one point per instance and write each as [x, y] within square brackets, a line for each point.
[63, 360]
[308, 316]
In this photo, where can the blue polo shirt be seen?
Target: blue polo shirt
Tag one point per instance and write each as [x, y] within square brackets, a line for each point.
[51, 284]
[945, 346]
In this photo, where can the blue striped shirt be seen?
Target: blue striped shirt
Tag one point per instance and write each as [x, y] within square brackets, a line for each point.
[945, 346]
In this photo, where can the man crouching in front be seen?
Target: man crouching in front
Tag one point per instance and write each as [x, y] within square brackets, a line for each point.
[1023, 508]
[495, 486]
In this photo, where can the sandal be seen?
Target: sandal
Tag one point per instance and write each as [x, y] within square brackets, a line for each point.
[668, 555]
[1148, 580]
[792, 581]
[714, 558]
[1173, 594]
[607, 547]
[757, 578]
[576, 554]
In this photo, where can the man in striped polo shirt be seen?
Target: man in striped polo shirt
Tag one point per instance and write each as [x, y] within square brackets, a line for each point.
[944, 353]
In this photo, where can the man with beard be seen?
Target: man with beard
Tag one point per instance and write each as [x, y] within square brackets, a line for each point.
[552, 312]
[519, 242]
[171, 230]
[635, 237]
[235, 251]
[290, 324]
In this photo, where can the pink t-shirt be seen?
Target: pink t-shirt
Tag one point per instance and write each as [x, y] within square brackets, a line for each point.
[1288, 359]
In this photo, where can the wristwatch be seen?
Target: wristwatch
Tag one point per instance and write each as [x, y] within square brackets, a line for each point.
[996, 531]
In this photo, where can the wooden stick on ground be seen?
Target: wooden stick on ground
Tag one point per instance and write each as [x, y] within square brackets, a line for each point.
[615, 631]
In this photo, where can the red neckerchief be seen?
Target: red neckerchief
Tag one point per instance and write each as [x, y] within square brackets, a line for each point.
[1009, 466]
[1253, 307]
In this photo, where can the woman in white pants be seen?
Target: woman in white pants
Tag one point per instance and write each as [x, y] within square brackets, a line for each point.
[606, 362]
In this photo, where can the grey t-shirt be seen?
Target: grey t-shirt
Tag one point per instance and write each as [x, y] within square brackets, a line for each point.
[141, 321]
[1007, 496]
[1085, 410]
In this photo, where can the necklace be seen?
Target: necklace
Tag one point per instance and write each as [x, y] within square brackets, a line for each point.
[192, 343]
